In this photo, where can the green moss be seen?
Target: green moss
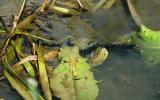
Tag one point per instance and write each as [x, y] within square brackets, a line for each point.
[72, 78]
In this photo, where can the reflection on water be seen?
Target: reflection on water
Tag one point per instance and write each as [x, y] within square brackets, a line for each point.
[125, 77]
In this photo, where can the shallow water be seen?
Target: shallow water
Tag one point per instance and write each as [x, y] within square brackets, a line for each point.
[126, 77]
[7, 93]
[123, 76]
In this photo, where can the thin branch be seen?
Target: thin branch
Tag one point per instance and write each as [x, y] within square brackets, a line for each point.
[6, 41]
[134, 13]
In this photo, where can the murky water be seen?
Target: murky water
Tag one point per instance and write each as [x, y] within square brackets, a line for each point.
[123, 76]
[8, 93]
[126, 77]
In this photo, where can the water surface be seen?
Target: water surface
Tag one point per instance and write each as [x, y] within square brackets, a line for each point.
[125, 76]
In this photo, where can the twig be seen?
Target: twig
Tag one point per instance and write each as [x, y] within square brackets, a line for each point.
[16, 19]
[53, 3]
[134, 13]
[26, 59]
[80, 4]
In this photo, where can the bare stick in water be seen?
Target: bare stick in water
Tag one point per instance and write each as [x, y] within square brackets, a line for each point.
[134, 13]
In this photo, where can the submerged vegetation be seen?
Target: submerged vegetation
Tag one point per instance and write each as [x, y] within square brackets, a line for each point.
[49, 49]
